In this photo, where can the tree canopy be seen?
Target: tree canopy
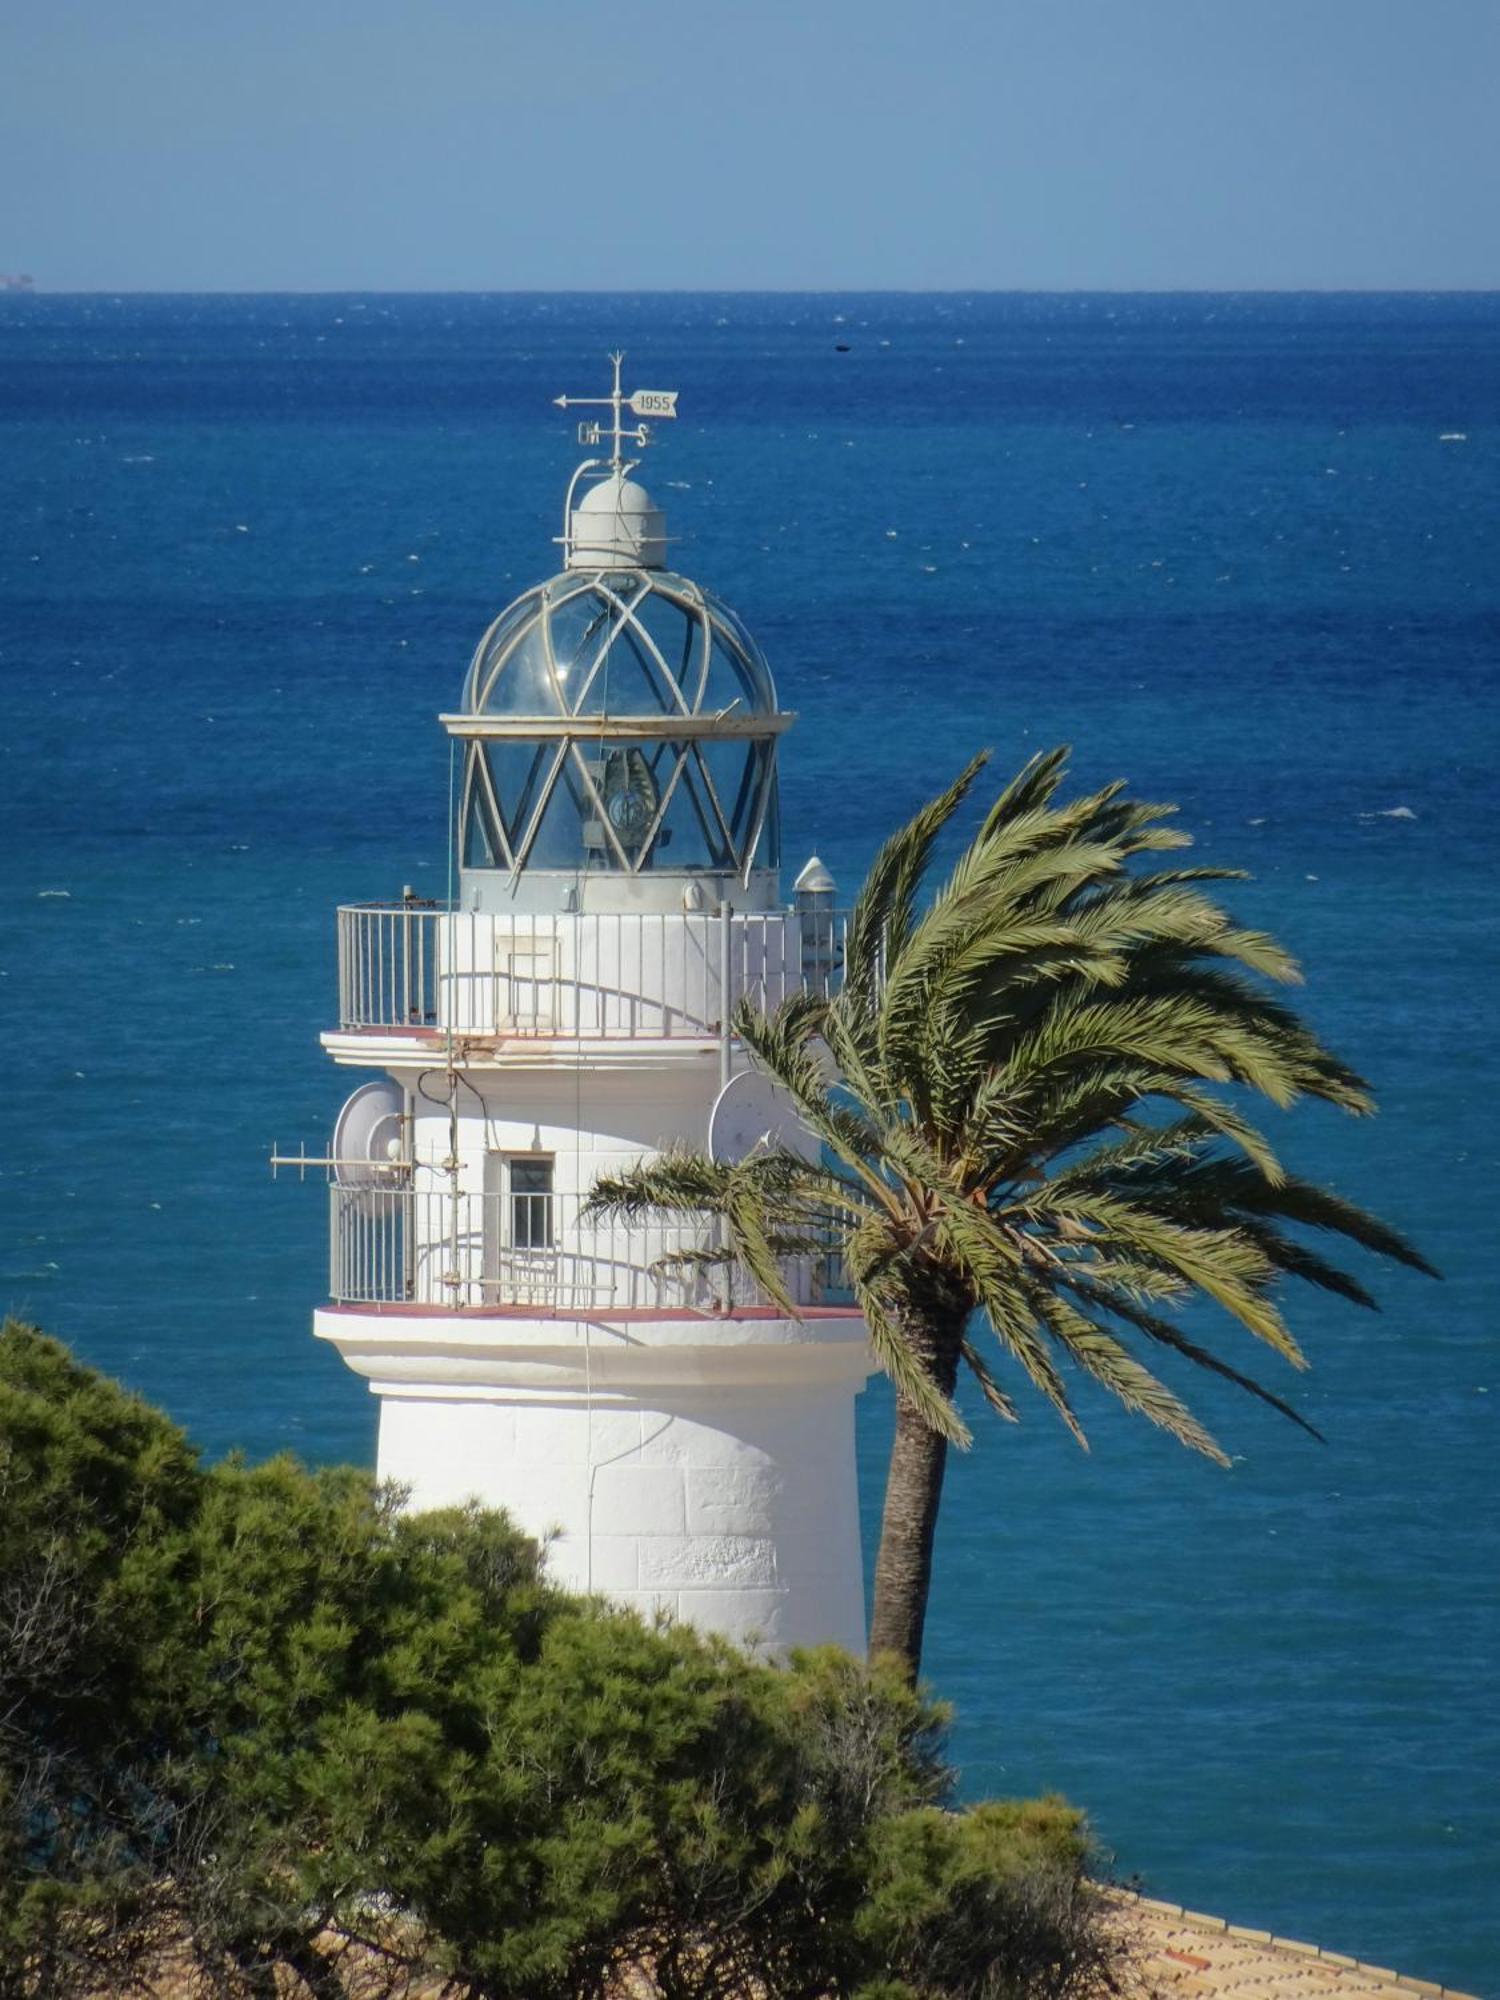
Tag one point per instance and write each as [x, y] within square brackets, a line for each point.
[261, 1726]
[1030, 1096]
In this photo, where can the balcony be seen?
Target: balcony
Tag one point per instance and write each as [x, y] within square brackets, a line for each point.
[615, 976]
[434, 1248]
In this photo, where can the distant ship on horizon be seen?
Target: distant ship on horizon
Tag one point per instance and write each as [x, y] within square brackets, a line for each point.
[17, 281]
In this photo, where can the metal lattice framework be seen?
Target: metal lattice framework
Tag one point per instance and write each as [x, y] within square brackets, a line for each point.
[635, 672]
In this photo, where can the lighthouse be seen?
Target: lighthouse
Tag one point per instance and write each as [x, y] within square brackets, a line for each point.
[680, 1442]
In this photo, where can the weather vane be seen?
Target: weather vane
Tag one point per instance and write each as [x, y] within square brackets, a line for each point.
[660, 403]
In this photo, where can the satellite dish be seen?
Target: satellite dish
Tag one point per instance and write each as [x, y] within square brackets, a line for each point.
[367, 1139]
[752, 1111]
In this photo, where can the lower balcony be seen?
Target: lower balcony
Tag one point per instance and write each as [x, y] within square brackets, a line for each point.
[465, 1252]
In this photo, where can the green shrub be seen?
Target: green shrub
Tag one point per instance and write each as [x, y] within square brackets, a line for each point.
[995, 1903]
[259, 1715]
[98, 1493]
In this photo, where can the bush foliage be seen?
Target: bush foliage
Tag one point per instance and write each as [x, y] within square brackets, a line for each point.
[258, 1725]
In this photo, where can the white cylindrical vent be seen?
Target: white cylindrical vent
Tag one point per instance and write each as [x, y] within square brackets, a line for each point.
[616, 526]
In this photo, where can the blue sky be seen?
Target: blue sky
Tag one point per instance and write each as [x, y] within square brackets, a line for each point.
[511, 144]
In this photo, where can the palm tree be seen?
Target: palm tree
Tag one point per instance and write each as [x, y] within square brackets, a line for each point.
[1020, 1094]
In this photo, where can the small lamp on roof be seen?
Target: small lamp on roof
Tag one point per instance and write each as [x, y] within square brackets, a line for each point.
[813, 895]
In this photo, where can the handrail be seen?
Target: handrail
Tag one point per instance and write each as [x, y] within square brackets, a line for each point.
[438, 1248]
[607, 975]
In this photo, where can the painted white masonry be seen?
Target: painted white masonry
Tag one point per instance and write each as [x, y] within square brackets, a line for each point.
[712, 1477]
[701, 1464]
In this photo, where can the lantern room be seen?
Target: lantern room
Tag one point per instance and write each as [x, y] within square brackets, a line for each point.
[621, 730]
[620, 726]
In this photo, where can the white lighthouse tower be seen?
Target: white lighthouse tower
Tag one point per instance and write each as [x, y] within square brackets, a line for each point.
[687, 1443]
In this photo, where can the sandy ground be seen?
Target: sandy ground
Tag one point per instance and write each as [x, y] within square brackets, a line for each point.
[1173, 1954]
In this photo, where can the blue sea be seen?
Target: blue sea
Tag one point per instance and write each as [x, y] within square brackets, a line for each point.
[1241, 550]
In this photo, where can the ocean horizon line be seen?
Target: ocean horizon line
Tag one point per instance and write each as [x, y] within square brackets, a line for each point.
[34, 290]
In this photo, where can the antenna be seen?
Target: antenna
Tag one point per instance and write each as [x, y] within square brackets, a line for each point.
[369, 1156]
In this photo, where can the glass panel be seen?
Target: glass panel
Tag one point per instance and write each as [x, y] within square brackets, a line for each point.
[733, 677]
[582, 613]
[631, 779]
[751, 665]
[570, 835]
[633, 683]
[768, 853]
[629, 681]
[494, 643]
[573, 588]
[733, 768]
[481, 841]
[631, 792]
[678, 633]
[518, 771]
[524, 685]
[690, 836]
[581, 622]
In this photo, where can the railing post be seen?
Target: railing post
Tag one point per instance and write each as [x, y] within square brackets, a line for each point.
[725, 1004]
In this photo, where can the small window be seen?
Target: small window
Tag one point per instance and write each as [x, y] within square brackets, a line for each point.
[531, 1203]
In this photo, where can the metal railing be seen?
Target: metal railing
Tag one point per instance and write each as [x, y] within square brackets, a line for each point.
[607, 975]
[433, 1247]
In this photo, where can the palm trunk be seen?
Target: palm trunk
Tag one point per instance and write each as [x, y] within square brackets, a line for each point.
[913, 1491]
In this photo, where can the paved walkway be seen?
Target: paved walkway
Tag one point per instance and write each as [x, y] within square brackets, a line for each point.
[1185, 1956]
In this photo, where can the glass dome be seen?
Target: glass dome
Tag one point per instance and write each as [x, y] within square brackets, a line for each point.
[634, 643]
[619, 720]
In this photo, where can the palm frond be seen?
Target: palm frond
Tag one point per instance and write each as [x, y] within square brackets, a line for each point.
[1163, 1331]
[966, 1240]
[1223, 1263]
[1227, 1183]
[1109, 1362]
[883, 910]
[1031, 790]
[1297, 1260]
[989, 1388]
[1159, 1147]
[783, 1046]
[892, 1347]
[1218, 1188]
[1131, 915]
[1031, 1125]
[673, 1183]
